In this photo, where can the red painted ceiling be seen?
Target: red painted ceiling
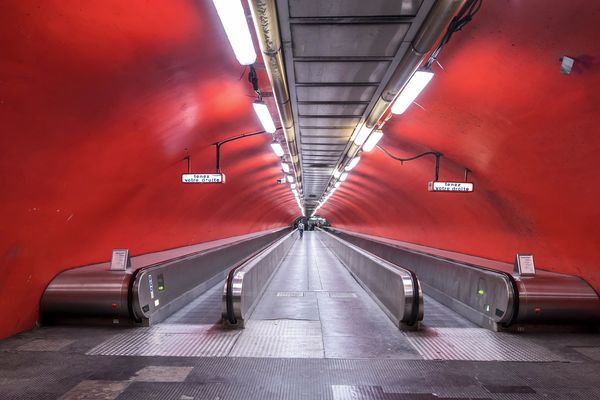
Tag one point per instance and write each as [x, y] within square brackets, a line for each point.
[101, 100]
[530, 135]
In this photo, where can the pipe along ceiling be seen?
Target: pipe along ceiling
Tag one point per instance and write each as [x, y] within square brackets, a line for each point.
[103, 104]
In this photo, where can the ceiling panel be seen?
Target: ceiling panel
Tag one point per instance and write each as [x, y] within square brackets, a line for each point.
[332, 132]
[334, 122]
[347, 40]
[326, 109]
[335, 93]
[344, 8]
[340, 71]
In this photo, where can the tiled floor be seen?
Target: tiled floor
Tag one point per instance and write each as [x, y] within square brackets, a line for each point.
[314, 335]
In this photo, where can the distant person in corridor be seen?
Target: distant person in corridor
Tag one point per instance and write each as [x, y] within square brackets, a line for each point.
[300, 229]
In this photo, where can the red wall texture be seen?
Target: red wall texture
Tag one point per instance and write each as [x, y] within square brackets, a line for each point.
[530, 136]
[99, 102]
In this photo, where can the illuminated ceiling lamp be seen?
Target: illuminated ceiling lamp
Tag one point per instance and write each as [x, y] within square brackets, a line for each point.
[276, 146]
[336, 174]
[234, 21]
[263, 114]
[290, 178]
[352, 163]
[337, 184]
[285, 167]
[373, 140]
[344, 176]
[362, 135]
[415, 85]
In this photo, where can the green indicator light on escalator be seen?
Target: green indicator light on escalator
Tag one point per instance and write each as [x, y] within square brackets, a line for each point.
[161, 288]
[487, 307]
[481, 291]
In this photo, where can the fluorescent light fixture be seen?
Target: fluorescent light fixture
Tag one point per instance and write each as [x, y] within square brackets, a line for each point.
[410, 92]
[290, 178]
[285, 167]
[337, 184]
[336, 174]
[293, 186]
[264, 116]
[277, 148]
[372, 140]
[344, 176]
[352, 163]
[234, 21]
[362, 135]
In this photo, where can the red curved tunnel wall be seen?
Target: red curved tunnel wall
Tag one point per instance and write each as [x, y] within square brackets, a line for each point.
[100, 102]
[530, 135]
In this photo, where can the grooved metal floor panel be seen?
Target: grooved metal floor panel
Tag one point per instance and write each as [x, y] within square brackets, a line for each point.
[476, 344]
[171, 341]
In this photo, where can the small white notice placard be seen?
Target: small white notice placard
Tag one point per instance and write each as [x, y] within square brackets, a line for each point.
[203, 178]
[120, 260]
[450, 187]
[524, 265]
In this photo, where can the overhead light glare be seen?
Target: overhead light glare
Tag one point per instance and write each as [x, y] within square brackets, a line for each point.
[263, 114]
[293, 186]
[337, 184]
[285, 167]
[352, 163]
[336, 174]
[277, 149]
[290, 178]
[234, 21]
[362, 135]
[344, 176]
[373, 140]
[415, 85]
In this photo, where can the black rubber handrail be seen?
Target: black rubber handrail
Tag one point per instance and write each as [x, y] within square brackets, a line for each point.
[416, 301]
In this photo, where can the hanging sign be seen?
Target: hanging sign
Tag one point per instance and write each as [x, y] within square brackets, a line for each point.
[524, 265]
[203, 178]
[450, 187]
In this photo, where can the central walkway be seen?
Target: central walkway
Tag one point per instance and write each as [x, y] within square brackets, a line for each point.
[313, 287]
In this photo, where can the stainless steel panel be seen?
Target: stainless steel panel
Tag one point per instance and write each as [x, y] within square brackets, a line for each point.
[250, 280]
[485, 297]
[90, 294]
[328, 109]
[340, 71]
[344, 8]
[556, 298]
[334, 122]
[335, 93]
[488, 297]
[189, 277]
[331, 132]
[347, 40]
[323, 140]
[84, 292]
[391, 286]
